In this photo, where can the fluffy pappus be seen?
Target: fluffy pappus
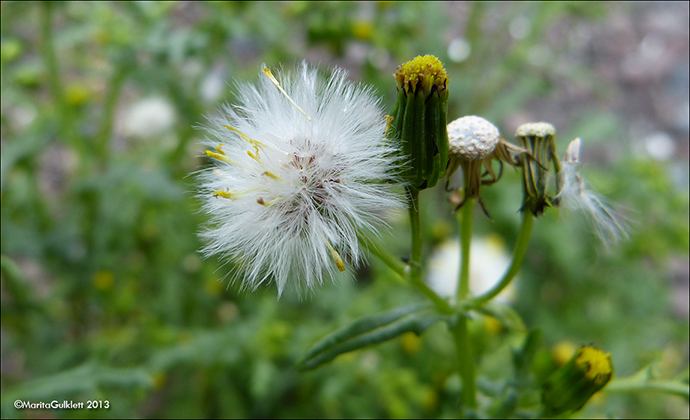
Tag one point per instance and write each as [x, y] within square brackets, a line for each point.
[302, 169]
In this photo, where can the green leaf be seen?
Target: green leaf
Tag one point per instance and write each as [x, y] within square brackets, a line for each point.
[370, 330]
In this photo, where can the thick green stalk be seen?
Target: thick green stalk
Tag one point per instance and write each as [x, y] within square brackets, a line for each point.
[49, 57]
[393, 262]
[415, 226]
[54, 83]
[465, 223]
[103, 140]
[667, 387]
[415, 266]
[463, 350]
[463, 345]
[518, 255]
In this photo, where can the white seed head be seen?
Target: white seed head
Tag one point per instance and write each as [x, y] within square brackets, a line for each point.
[538, 129]
[300, 172]
[472, 138]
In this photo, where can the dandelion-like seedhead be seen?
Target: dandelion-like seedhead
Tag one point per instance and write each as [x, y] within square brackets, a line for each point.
[302, 168]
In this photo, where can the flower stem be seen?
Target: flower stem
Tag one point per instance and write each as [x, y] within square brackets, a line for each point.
[393, 262]
[54, 83]
[49, 57]
[465, 222]
[463, 350]
[667, 387]
[415, 266]
[463, 345]
[518, 255]
[415, 226]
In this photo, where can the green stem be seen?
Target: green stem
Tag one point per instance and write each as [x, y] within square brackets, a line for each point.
[416, 228]
[103, 140]
[628, 385]
[54, 84]
[463, 351]
[465, 223]
[49, 56]
[463, 345]
[518, 255]
[393, 262]
[415, 266]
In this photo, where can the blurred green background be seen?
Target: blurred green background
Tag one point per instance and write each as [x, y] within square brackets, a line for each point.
[104, 296]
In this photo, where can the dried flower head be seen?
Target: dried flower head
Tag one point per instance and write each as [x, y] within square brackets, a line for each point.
[300, 171]
[474, 143]
[472, 138]
[539, 138]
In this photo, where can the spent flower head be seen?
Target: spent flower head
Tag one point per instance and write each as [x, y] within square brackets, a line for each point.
[300, 172]
[474, 143]
[540, 140]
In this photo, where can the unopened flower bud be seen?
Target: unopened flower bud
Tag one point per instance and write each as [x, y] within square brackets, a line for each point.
[571, 386]
[419, 120]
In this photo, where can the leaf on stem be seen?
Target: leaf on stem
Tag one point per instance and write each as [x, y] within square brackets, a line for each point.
[370, 330]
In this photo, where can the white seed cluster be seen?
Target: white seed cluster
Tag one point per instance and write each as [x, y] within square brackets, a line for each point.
[300, 172]
[472, 138]
[539, 129]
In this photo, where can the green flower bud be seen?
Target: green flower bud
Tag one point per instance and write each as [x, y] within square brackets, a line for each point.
[572, 385]
[539, 139]
[419, 120]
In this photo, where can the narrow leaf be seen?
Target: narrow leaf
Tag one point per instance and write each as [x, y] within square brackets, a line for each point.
[368, 331]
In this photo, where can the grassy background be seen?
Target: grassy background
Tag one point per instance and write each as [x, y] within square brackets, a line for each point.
[104, 296]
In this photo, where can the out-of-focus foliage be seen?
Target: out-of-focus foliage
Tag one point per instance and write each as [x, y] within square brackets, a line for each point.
[104, 296]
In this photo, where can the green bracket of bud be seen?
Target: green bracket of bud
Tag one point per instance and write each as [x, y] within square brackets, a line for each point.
[419, 120]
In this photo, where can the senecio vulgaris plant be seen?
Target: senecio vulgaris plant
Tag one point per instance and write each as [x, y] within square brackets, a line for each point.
[305, 166]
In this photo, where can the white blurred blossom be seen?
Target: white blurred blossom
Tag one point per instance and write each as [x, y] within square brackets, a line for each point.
[488, 262]
[149, 117]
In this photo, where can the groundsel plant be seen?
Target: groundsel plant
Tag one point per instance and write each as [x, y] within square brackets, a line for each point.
[300, 173]
[304, 168]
